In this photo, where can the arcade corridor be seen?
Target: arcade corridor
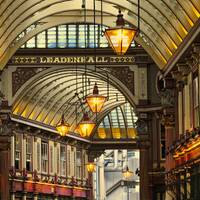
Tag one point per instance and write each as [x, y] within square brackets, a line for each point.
[99, 100]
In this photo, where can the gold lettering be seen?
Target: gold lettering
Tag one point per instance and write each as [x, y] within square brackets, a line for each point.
[49, 60]
[90, 60]
[63, 60]
[56, 60]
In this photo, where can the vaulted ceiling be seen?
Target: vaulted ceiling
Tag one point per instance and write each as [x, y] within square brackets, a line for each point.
[49, 94]
[165, 24]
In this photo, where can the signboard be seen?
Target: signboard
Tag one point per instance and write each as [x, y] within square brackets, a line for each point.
[65, 60]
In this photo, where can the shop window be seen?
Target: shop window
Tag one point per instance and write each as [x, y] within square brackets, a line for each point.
[63, 160]
[44, 156]
[18, 144]
[78, 163]
[68, 162]
[38, 156]
[58, 159]
[28, 153]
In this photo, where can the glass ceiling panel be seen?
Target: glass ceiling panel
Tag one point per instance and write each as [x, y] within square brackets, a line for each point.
[68, 36]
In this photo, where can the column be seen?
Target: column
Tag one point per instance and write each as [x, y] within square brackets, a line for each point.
[169, 123]
[12, 196]
[24, 196]
[4, 167]
[12, 160]
[101, 178]
[35, 197]
[144, 177]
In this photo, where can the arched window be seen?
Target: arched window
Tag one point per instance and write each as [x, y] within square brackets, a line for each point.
[69, 36]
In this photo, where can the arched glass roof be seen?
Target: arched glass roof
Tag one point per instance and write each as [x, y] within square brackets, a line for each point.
[120, 123]
[165, 24]
[52, 92]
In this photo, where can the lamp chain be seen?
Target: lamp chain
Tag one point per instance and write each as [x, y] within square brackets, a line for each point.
[94, 9]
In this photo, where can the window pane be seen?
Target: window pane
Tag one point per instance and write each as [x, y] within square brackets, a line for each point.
[72, 35]
[31, 43]
[91, 35]
[62, 36]
[51, 37]
[41, 40]
[82, 36]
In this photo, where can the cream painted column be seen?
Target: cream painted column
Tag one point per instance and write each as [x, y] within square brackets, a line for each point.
[12, 151]
[24, 197]
[13, 196]
[35, 197]
[102, 194]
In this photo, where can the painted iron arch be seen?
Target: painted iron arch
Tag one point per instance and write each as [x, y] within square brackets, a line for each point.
[51, 92]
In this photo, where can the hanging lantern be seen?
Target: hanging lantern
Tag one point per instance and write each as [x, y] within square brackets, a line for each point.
[86, 126]
[127, 174]
[95, 101]
[120, 37]
[91, 167]
[62, 127]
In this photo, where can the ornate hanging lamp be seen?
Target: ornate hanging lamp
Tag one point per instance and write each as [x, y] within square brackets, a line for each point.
[91, 167]
[62, 127]
[127, 174]
[95, 101]
[86, 126]
[120, 37]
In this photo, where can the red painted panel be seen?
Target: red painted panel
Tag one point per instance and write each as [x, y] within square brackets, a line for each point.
[18, 186]
[79, 192]
[28, 187]
[63, 191]
[47, 189]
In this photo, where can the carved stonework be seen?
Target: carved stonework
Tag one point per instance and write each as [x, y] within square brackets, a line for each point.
[23, 74]
[167, 97]
[168, 118]
[125, 75]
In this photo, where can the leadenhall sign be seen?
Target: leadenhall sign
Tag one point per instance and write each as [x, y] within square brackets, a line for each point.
[72, 60]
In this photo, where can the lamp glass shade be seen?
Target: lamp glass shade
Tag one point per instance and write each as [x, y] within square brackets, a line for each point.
[96, 102]
[62, 127]
[127, 174]
[90, 167]
[120, 38]
[86, 126]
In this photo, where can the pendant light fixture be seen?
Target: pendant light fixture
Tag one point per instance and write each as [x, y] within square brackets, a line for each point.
[95, 101]
[62, 127]
[121, 37]
[86, 126]
[127, 174]
[91, 167]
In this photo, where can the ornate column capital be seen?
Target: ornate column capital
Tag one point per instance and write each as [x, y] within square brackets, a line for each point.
[92, 154]
[168, 118]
